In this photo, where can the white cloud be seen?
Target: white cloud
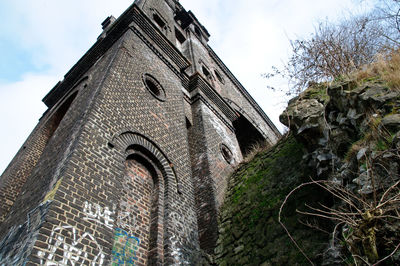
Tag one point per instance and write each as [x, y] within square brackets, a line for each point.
[20, 110]
[57, 34]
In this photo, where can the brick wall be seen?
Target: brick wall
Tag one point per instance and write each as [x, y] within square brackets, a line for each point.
[94, 170]
[210, 168]
[26, 159]
[137, 200]
[47, 177]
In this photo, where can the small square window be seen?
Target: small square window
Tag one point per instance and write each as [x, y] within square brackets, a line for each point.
[179, 36]
[160, 22]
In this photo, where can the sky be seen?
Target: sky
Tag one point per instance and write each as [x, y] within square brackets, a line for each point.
[41, 40]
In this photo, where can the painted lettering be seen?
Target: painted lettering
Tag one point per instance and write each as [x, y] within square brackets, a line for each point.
[68, 241]
[94, 212]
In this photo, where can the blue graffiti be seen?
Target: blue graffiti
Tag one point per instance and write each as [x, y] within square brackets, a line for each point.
[124, 248]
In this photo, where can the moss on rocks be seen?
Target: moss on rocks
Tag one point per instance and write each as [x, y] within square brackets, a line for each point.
[249, 230]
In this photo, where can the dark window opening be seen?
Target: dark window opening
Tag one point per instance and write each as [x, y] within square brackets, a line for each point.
[226, 153]
[188, 124]
[60, 113]
[179, 36]
[206, 72]
[247, 135]
[183, 18]
[178, 21]
[153, 87]
[160, 22]
[197, 31]
[219, 77]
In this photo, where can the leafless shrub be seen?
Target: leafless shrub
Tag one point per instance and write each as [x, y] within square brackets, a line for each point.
[335, 50]
[360, 217]
[387, 13]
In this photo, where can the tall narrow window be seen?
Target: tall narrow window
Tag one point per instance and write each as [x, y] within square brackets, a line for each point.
[188, 124]
[197, 31]
[140, 208]
[55, 120]
[219, 77]
[180, 39]
[179, 36]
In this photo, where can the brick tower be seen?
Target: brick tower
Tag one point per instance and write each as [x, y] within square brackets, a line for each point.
[130, 162]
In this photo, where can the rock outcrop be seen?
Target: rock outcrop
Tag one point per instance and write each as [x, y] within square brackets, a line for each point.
[345, 137]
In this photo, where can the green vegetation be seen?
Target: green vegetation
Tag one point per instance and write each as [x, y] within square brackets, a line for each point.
[249, 230]
[317, 91]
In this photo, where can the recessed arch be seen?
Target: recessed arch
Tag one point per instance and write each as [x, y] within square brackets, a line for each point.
[158, 181]
[127, 138]
[247, 131]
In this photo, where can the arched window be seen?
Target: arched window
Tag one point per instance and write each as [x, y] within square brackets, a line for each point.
[246, 130]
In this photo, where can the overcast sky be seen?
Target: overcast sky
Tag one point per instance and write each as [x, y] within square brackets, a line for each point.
[40, 40]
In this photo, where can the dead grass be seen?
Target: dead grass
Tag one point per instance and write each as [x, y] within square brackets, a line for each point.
[255, 149]
[386, 67]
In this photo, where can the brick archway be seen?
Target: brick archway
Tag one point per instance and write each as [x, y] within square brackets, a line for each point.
[125, 139]
[151, 163]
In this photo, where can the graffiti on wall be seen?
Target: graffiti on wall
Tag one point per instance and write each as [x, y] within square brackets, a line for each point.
[126, 218]
[20, 239]
[124, 248]
[180, 254]
[94, 212]
[66, 247]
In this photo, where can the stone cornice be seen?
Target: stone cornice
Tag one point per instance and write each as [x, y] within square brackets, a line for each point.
[197, 82]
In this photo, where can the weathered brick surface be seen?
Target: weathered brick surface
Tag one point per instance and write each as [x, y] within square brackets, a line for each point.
[47, 175]
[126, 177]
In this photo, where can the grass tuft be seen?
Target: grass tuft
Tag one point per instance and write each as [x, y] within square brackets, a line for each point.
[385, 67]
